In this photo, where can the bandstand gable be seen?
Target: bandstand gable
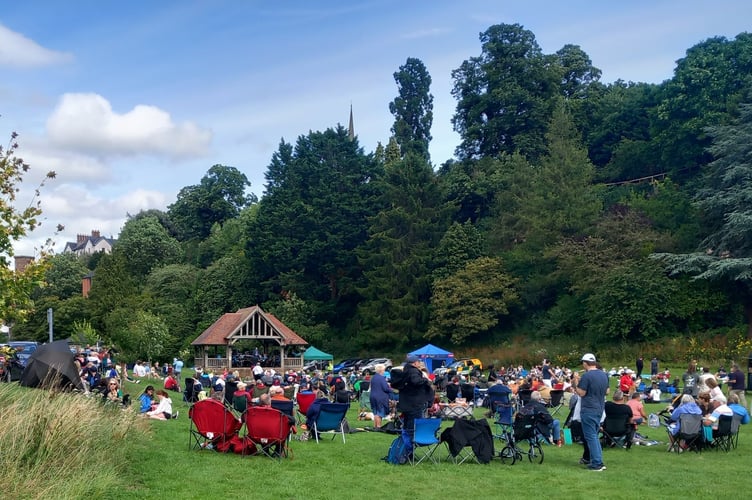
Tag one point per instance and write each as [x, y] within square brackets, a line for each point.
[251, 323]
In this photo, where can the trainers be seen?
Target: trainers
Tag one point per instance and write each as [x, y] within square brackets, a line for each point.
[598, 468]
[584, 462]
[176, 414]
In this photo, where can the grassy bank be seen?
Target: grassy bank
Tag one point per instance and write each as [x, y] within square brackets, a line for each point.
[70, 447]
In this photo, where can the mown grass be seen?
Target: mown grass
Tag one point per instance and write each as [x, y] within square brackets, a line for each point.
[112, 457]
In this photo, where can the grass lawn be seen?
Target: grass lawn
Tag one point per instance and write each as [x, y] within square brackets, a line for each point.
[163, 466]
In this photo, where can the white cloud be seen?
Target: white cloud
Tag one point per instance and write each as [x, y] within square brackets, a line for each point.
[19, 51]
[81, 210]
[86, 122]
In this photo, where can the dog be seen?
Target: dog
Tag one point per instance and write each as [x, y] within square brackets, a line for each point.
[365, 415]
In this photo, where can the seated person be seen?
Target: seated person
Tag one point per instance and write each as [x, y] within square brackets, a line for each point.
[242, 392]
[435, 409]
[716, 394]
[163, 411]
[703, 401]
[548, 426]
[113, 394]
[500, 393]
[688, 405]
[655, 394]
[91, 377]
[626, 384]
[453, 390]
[276, 392]
[618, 413]
[717, 409]
[315, 408]
[638, 410]
[146, 399]
[259, 389]
[733, 403]
[545, 392]
[171, 383]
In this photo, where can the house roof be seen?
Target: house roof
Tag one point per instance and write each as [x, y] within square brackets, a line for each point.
[230, 324]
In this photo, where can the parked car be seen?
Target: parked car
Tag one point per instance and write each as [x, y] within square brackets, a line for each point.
[346, 365]
[314, 365]
[24, 349]
[11, 367]
[464, 366]
[370, 367]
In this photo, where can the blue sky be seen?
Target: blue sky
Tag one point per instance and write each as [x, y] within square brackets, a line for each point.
[130, 101]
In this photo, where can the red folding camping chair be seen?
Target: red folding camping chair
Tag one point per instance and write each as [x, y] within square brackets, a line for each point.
[213, 426]
[268, 429]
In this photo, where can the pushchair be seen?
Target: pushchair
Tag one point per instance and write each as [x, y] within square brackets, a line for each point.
[524, 429]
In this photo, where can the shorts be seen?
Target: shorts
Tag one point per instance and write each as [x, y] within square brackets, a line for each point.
[379, 408]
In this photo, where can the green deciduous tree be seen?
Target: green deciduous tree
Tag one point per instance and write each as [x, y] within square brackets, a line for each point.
[145, 245]
[16, 286]
[471, 302]
[637, 302]
[413, 109]
[504, 96]
[143, 336]
[220, 196]
[708, 84]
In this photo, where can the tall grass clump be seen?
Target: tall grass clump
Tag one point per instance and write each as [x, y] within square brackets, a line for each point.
[62, 445]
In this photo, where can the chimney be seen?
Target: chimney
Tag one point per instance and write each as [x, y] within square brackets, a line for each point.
[22, 261]
[95, 233]
[80, 238]
[86, 285]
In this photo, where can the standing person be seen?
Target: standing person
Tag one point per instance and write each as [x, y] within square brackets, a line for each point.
[546, 372]
[415, 393]
[654, 367]
[592, 388]
[691, 380]
[640, 364]
[736, 384]
[379, 398]
[177, 367]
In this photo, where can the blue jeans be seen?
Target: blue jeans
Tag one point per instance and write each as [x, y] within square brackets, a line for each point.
[591, 423]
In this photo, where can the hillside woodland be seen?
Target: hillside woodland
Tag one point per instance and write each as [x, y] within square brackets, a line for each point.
[573, 210]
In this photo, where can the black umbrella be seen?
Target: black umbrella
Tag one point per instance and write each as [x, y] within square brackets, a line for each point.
[52, 366]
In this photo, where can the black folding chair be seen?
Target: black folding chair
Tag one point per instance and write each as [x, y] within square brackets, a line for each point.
[690, 433]
[557, 396]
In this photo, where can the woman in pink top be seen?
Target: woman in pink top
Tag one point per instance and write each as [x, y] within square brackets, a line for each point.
[638, 410]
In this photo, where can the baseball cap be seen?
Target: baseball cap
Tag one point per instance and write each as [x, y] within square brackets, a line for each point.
[413, 359]
[589, 357]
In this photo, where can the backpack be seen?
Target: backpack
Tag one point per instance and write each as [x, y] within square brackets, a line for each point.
[398, 379]
[398, 451]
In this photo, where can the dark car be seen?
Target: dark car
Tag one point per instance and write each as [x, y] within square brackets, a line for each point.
[345, 365]
[24, 349]
[11, 367]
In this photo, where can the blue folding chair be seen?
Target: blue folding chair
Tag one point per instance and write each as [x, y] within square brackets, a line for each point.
[426, 438]
[331, 418]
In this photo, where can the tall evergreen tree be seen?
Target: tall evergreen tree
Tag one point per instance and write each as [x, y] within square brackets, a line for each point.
[313, 215]
[725, 255]
[413, 109]
[397, 257]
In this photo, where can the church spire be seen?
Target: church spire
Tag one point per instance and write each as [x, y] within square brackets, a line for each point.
[351, 127]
